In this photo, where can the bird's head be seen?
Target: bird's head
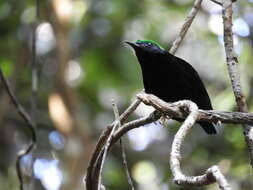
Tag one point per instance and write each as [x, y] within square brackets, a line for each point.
[146, 46]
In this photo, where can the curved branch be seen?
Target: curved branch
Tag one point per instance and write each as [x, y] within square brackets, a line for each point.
[25, 116]
[212, 175]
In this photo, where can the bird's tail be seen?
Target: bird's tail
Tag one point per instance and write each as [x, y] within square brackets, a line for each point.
[208, 127]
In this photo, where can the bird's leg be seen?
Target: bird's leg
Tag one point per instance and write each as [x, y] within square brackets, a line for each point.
[160, 117]
[156, 115]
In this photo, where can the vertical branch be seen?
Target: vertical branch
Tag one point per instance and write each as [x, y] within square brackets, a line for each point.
[129, 178]
[188, 21]
[95, 159]
[117, 118]
[232, 61]
[34, 66]
[107, 145]
[24, 115]
[232, 64]
[105, 150]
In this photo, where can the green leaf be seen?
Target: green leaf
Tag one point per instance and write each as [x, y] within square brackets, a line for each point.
[6, 66]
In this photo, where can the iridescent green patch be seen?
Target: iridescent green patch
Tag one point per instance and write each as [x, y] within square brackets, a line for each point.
[150, 41]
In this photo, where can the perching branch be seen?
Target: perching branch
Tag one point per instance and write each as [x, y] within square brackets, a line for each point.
[24, 115]
[188, 21]
[232, 64]
[173, 111]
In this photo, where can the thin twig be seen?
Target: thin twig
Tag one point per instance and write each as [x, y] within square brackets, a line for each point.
[105, 151]
[188, 21]
[18, 106]
[126, 127]
[129, 178]
[117, 122]
[24, 115]
[101, 141]
[102, 156]
[124, 159]
[124, 116]
[232, 64]
[134, 124]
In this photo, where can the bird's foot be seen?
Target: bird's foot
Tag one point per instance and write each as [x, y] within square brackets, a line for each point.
[159, 117]
[156, 115]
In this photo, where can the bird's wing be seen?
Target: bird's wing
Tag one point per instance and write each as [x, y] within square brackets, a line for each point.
[193, 84]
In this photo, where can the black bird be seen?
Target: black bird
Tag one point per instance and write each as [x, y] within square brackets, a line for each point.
[171, 78]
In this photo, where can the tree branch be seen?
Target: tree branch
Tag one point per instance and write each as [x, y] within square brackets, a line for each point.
[24, 115]
[123, 152]
[232, 64]
[97, 184]
[21, 111]
[188, 21]
[96, 155]
[212, 175]
[212, 116]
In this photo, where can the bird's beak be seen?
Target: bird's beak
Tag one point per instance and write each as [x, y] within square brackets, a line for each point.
[132, 44]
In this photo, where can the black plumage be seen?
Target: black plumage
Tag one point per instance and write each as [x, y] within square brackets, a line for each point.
[171, 78]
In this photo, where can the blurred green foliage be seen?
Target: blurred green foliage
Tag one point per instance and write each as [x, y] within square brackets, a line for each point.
[95, 34]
